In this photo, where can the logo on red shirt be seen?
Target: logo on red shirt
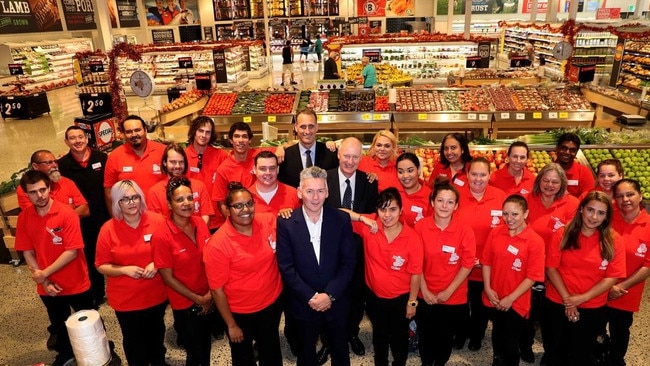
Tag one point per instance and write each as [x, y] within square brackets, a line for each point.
[641, 250]
[398, 262]
[603, 265]
[516, 265]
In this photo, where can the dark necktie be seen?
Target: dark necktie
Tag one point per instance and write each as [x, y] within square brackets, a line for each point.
[308, 161]
[347, 195]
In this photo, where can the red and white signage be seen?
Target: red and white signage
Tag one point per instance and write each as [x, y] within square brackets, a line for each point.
[608, 13]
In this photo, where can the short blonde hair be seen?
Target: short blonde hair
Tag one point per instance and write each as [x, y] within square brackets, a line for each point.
[365, 59]
[118, 191]
[387, 134]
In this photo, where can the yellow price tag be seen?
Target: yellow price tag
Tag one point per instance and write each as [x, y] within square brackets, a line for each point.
[537, 115]
[248, 119]
[564, 114]
[270, 119]
[319, 118]
[422, 116]
[365, 117]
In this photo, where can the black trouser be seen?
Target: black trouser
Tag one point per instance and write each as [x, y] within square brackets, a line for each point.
[506, 330]
[97, 283]
[58, 311]
[474, 324]
[334, 330]
[571, 343]
[620, 322]
[143, 335]
[390, 328]
[528, 332]
[261, 327]
[436, 327]
[359, 290]
[196, 333]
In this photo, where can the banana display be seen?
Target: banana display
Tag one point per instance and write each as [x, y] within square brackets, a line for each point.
[385, 73]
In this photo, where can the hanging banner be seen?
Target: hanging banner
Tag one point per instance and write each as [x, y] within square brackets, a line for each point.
[79, 14]
[29, 16]
[608, 13]
[127, 12]
[172, 12]
[483, 6]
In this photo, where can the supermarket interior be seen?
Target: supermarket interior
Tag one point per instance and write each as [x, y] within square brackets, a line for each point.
[495, 71]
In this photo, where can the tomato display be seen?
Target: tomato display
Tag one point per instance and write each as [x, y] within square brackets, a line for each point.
[220, 104]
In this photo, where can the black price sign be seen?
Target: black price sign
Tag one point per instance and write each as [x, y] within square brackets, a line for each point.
[519, 62]
[96, 66]
[15, 69]
[185, 63]
[374, 54]
[473, 62]
[94, 104]
[11, 107]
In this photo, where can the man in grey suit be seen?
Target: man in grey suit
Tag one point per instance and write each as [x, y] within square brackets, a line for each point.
[316, 257]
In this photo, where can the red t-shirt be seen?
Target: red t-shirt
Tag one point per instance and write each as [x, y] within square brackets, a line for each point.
[415, 206]
[64, 191]
[459, 180]
[157, 199]
[124, 163]
[173, 249]
[212, 158]
[546, 221]
[482, 216]
[445, 253]
[636, 236]
[386, 175]
[504, 181]
[49, 236]
[122, 245]
[580, 178]
[245, 266]
[389, 266]
[285, 197]
[583, 268]
[513, 259]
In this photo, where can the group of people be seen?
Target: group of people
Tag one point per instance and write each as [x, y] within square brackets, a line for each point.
[231, 240]
[166, 12]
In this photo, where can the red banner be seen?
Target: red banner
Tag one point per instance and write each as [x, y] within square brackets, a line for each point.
[608, 13]
[371, 8]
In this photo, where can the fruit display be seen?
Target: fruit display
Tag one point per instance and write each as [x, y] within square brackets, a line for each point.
[614, 93]
[255, 102]
[334, 103]
[318, 101]
[636, 164]
[413, 100]
[250, 103]
[386, 73]
[303, 99]
[185, 99]
[357, 101]
[496, 74]
[220, 104]
[381, 103]
[502, 99]
[595, 156]
[538, 159]
[279, 103]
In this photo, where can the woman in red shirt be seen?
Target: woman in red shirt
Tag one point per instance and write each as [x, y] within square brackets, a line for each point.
[415, 195]
[178, 255]
[514, 177]
[381, 159]
[512, 260]
[583, 263]
[609, 171]
[245, 280]
[632, 222]
[480, 207]
[449, 253]
[454, 160]
[133, 287]
[393, 258]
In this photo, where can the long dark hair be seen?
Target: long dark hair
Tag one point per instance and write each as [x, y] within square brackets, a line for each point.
[462, 141]
[570, 238]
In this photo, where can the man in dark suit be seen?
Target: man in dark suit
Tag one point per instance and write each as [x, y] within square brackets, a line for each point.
[306, 152]
[316, 257]
[352, 189]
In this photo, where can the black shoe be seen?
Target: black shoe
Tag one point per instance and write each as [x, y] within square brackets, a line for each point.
[497, 361]
[357, 346]
[323, 355]
[293, 83]
[180, 342]
[218, 334]
[459, 343]
[62, 360]
[293, 346]
[474, 345]
[528, 356]
[542, 362]
[282, 83]
[51, 342]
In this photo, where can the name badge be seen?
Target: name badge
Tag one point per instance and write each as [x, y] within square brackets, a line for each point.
[96, 166]
[127, 169]
[459, 182]
[194, 169]
[572, 182]
[448, 249]
[496, 213]
[147, 238]
[512, 249]
[524, 191]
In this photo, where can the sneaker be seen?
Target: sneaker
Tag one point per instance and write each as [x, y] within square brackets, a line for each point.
[293, 83]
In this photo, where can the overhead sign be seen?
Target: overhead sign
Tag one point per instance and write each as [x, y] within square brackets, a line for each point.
[79, 14]
[127, 12]
[29, 16]
[608, 13]
[162, 35]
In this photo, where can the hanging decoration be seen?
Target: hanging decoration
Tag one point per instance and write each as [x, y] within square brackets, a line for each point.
[403, 38]
[129, 51]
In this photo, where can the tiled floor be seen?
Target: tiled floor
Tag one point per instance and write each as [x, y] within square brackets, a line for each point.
[22, 316]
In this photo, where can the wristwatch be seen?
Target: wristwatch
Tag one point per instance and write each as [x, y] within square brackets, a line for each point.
[332, 299]
[413, 303]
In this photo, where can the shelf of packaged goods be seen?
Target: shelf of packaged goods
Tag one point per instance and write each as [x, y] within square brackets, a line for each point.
[638, 53]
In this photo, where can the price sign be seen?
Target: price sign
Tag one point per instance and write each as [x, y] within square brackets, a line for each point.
[248, 119]
[552, 115]
[422, 116]
[319, 118]
[365, 117]
[564, 114]
[185, 63]
[537, 115]
[94, 104]
[270, 119]
[520, 116]
[482, 117]
[10, 107]
[473, 62]
[519, 62]
[96, 66]
[15, 69]
[455, 116]
[381, 117]
[471, 115]
[505, 115]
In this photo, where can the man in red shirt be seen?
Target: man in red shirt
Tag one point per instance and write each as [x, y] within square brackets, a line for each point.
[49, 235]
[580, 178]
[270, 195]
[62, 189]
[138, 159]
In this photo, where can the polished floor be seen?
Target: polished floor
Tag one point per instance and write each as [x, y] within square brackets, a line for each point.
[23, 319]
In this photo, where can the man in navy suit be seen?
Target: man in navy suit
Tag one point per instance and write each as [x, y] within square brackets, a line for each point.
[317, 257]
[307, 151]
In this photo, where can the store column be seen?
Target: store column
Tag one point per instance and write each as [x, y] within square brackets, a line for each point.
[551, 11]
[533, 11]
[103, 20]
[468, 18]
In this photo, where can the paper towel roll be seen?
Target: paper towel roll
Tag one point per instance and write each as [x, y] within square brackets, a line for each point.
[88, 338]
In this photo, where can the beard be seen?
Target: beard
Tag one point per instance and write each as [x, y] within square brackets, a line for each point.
[55, 176]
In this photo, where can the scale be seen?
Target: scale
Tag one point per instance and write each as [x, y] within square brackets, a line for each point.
[562, 50]
[142, 84]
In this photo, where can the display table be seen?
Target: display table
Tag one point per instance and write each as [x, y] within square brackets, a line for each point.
[24, 106]
[613, 104]
[188, 112]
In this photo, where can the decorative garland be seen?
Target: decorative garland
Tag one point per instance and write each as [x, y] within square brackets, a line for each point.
[87, 54]
[334, 43]
[120, 110]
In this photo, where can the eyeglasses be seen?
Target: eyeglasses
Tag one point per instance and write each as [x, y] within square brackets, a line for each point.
[240, 206]
[126, 199]
[47, 162]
